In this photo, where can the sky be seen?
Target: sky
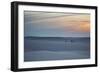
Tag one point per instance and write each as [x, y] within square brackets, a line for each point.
[56, 24]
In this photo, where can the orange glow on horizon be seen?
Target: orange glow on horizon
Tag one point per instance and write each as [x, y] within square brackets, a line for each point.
[85, 27]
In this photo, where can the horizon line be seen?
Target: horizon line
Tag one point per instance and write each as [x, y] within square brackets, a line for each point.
[46, 36]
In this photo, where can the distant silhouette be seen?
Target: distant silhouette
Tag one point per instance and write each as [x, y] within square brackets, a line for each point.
[69, 41]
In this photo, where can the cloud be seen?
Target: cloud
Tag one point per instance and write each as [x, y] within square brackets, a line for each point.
[56, 24]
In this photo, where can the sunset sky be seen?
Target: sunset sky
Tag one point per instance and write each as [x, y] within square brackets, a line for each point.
[53, 24]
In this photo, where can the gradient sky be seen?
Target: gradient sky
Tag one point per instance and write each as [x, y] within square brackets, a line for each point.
[53, 24]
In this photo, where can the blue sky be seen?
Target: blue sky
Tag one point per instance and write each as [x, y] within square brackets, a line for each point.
[51, 24]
